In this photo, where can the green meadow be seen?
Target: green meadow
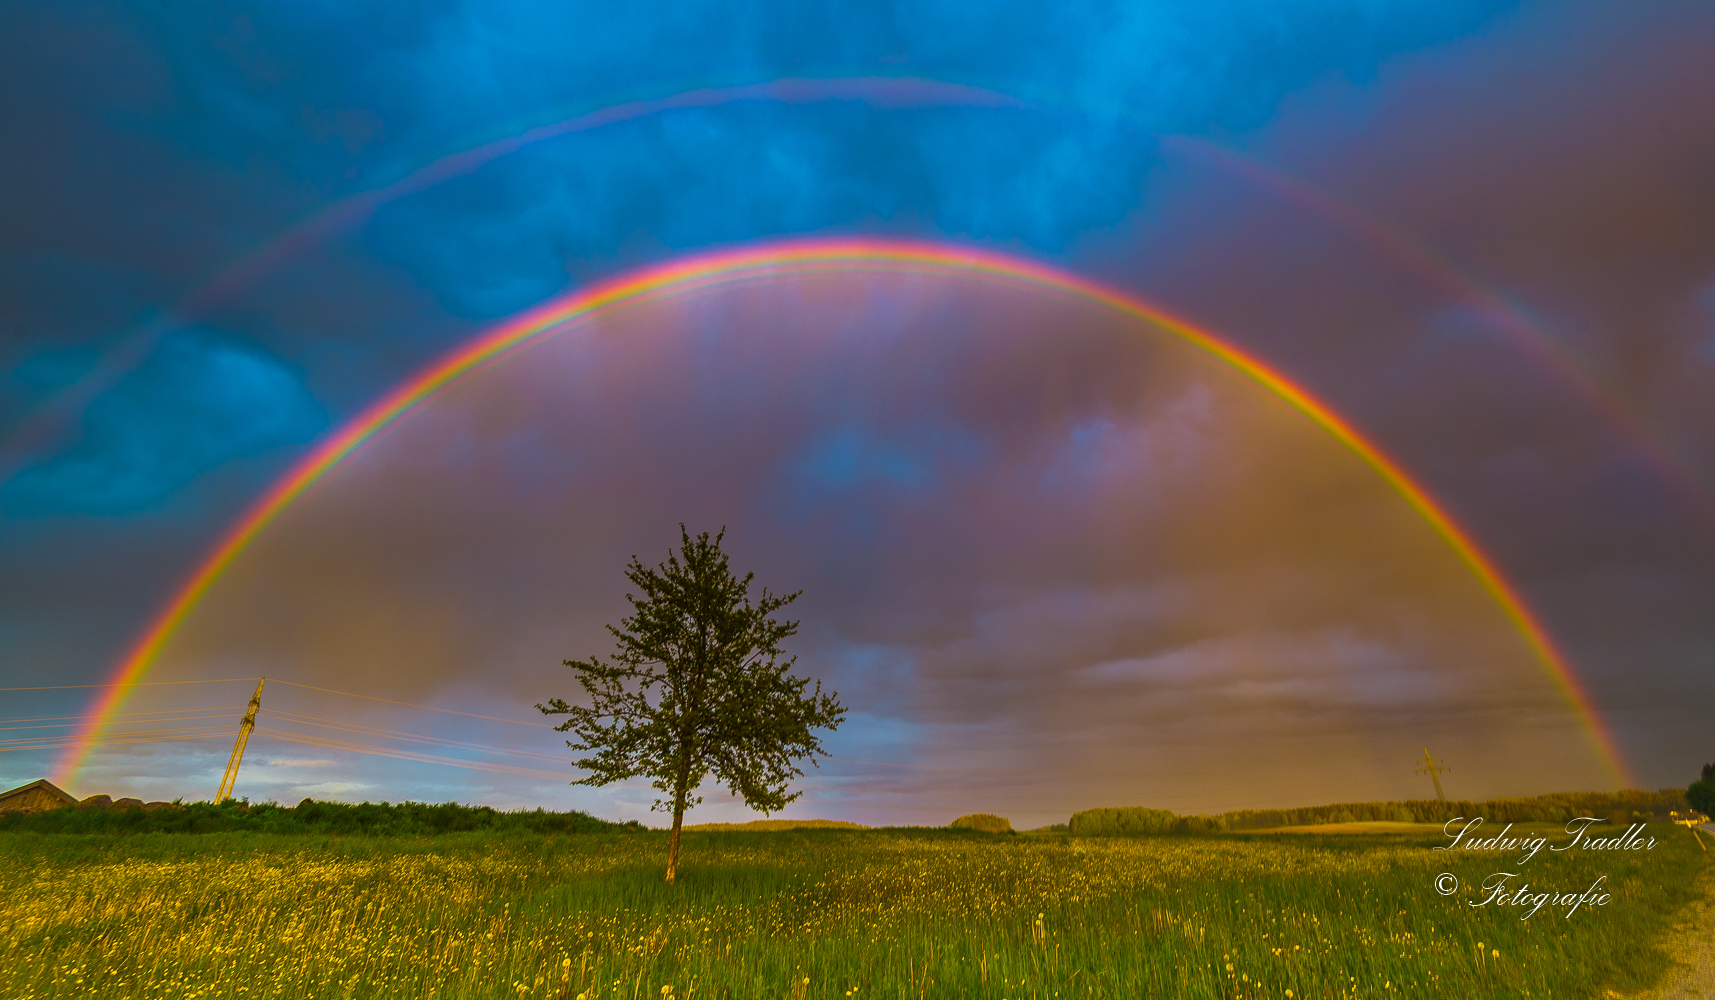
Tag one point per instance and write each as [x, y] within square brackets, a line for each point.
[511, 911]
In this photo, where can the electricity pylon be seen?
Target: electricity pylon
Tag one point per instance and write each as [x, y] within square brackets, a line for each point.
[1431, 766]
[244, 728]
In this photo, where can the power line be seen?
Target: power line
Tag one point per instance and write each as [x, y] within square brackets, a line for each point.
[68, 739]
[176, 736]
[430, 708]
[409, 755]
[72, 687]
[927, 767]
[307, 687]
[124, 715]
[412, 756]
[366, 730]
[363, 730]
[359, 729]
[48, 742]
[203, 733]
[69, 725]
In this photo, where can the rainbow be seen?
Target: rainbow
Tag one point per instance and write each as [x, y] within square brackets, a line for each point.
[785, 257]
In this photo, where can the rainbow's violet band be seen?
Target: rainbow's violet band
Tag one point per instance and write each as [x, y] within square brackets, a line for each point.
[780, 258]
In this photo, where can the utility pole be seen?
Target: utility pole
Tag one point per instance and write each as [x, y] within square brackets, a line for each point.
[244, 728]
[1430, 765]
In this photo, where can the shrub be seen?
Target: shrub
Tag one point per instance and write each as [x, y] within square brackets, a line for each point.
[984, 822]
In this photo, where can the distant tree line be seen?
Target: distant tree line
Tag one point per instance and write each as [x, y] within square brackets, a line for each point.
[308, 816]
[1622, 807]
[1123, 821]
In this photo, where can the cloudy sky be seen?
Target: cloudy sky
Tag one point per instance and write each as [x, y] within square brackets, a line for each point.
[1052, 557]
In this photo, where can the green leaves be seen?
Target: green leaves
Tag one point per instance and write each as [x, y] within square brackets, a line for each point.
[697, 687]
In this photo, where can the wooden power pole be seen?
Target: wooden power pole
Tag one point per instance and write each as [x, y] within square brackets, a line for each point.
[244, 728]
[1430, 764]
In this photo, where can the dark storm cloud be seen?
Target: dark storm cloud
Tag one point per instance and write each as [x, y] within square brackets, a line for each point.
[1553, 152]
[194, 405]
[218, 125]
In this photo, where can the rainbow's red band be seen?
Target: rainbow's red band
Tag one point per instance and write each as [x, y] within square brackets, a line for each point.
[784, 257]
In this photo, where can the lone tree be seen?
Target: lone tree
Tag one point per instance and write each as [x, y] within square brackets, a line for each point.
[723, 702]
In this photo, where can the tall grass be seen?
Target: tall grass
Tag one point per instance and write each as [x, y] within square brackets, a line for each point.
[810, 913]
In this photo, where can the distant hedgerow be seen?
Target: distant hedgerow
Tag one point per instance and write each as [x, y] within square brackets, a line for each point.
[308, 816]
[1622, 807]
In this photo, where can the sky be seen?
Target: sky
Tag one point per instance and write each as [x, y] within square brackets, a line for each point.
[1052, 557]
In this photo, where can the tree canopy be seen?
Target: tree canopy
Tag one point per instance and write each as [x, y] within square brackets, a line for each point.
[697, 687]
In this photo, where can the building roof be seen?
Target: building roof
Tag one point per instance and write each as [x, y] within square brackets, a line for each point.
[44, 784]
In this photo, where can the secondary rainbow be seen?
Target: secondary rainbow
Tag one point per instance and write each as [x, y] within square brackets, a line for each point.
[785, 257]
[893, 93]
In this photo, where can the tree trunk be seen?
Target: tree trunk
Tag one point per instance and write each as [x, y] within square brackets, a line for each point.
[673, 844]
[679, 794]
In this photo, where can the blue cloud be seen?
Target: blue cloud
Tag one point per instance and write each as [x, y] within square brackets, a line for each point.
[56, 368]
[198, 402]
[917, 458]
[1106, 76]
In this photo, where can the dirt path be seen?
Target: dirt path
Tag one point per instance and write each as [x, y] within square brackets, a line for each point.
[1691, 942]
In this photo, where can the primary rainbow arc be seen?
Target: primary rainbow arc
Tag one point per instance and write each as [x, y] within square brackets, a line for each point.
[756, 261]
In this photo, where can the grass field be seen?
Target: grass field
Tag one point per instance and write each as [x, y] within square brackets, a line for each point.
[811, 913]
